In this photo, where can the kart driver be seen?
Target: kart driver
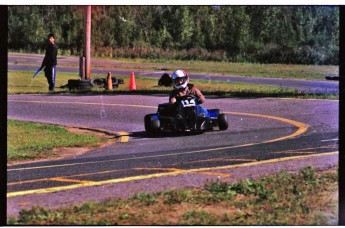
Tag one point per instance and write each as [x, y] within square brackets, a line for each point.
[182, 87]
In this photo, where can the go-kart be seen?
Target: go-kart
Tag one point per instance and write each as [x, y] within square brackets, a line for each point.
[185, 115]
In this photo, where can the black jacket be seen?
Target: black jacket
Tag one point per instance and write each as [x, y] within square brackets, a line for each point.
[50, 58]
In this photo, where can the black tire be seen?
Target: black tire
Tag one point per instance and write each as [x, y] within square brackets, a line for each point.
[102, 82]
[223, 122]
[114, 81]
[332, 77]
[152, 125]
[98, 82]
[80, 85]
[147, 121]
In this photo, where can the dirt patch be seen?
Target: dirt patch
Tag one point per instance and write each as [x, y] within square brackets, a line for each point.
[67, 152]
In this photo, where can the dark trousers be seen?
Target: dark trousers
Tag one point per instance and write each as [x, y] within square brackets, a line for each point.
[50, 73]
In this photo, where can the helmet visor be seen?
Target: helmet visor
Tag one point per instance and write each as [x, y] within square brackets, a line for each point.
[180, 81]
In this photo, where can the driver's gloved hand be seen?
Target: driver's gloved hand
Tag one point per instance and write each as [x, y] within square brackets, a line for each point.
[179, 117]
[198, 100]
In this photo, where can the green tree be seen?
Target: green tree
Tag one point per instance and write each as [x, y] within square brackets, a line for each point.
[179, 25]
[266, 34]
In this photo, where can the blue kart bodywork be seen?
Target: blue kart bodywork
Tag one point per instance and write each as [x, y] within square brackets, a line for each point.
[186, 115]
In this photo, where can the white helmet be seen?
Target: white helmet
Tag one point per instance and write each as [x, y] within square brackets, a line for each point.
[180, 79]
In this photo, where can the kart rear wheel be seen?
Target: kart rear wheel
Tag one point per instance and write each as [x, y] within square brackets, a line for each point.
[222, 122]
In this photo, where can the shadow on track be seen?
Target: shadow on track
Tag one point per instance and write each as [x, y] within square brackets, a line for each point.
[144, 134]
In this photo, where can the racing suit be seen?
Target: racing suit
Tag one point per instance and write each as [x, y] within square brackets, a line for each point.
[189, 90]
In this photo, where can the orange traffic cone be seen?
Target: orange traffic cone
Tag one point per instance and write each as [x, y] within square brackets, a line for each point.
[132, 85]
[109, 82]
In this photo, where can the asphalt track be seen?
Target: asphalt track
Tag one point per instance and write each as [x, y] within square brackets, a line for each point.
[262, 132]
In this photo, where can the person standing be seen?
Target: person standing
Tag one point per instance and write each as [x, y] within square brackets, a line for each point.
[50, 62]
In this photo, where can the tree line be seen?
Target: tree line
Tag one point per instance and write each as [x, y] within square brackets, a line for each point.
[259, 34]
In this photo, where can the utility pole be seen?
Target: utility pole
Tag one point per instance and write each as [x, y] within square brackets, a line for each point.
[341, 172]
[87, 41]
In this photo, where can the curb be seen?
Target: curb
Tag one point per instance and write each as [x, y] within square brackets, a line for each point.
[120, 136]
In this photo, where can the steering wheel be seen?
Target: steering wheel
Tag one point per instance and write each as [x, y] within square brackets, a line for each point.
[188, 96]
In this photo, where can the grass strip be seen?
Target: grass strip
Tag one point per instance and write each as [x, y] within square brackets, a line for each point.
[21, 82]
[303, 198]
[291, 71]
[29, 141]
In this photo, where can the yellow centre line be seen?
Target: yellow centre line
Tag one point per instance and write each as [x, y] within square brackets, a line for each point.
[124, 136]
[179, 170]
[156, 175]
[70, 180]
[50, 179]
[302, 127]
[220, 160]
[224, 175]
[310, 150]
[294, 152]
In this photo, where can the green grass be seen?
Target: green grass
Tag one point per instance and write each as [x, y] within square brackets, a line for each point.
[304, 198]
[308, 72]
[21, 82]
[29, 141]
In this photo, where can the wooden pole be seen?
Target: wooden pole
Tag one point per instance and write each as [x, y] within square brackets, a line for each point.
[341, 172]
[87, 39]
[81, 67]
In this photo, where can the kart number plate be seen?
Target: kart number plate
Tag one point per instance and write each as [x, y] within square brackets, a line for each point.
[188, 103]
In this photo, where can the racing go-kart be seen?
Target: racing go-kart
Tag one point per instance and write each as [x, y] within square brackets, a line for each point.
[184, 115]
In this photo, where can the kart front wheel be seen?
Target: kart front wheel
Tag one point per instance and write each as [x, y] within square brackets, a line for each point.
[223, 122]
[152, 124]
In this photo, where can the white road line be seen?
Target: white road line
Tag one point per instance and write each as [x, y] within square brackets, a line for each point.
[328, 140]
